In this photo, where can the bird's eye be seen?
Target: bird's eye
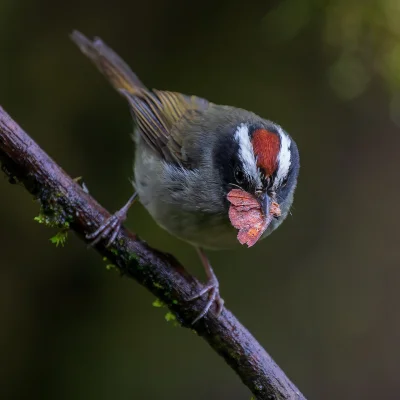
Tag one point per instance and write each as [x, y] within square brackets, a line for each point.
[239, 176]
[284, 182]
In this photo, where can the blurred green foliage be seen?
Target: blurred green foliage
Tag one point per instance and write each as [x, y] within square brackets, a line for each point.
[320, 294]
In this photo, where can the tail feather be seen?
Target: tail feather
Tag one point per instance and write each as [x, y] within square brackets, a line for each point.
[109, 64]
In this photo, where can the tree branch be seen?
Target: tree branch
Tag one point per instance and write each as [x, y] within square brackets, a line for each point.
[65, 204]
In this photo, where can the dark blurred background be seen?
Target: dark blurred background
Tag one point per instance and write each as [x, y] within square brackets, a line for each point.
[321, 294]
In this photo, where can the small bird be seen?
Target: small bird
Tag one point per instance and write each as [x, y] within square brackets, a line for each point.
[214, 176]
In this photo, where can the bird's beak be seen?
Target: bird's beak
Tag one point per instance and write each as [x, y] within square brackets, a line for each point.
[268, 207]
[265, 203]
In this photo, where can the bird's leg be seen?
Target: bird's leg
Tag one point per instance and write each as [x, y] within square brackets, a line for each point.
[211, 287]
[111, 227]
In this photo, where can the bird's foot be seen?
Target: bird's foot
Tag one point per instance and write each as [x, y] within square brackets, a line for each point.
[111, 227]
[211, 287]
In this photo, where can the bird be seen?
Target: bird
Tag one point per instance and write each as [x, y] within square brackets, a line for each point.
[215, 176]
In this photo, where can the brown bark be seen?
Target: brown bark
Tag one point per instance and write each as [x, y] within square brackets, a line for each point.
[65, 204]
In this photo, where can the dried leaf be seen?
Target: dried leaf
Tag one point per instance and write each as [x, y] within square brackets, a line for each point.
[275, 210]
[246, 215]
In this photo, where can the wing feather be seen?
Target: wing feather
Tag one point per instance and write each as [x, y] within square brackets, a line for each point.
[156, 112]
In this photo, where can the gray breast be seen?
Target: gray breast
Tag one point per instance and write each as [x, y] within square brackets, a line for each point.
[181, 201]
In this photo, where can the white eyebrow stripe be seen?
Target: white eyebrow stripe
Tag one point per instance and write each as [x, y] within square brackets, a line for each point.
[246, 153]
[284, 158]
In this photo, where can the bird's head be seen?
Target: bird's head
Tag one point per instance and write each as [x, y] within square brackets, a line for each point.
[259, 169]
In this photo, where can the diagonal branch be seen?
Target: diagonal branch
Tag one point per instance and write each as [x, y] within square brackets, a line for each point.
[64, 203]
